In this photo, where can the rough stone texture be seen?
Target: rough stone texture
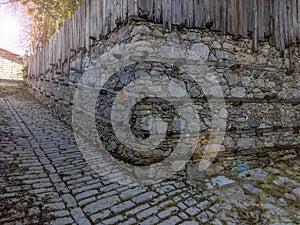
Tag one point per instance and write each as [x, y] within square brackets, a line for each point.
[262, 98]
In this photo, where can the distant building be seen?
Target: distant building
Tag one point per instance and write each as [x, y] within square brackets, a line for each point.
[10, 65]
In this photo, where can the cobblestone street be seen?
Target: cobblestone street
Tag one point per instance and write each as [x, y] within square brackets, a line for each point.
[45, 180]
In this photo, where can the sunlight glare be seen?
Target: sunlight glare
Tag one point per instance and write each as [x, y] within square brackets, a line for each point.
[12, 28]
[10, 35]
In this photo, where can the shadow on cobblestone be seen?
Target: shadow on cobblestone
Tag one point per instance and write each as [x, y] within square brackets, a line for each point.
[17, 204]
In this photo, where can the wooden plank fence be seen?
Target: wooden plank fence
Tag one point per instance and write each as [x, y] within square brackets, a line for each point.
[275, 20]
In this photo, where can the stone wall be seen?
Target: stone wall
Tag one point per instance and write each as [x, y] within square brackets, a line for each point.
[261, 94]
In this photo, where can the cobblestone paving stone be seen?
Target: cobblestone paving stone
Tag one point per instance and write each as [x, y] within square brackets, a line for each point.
[45, 180]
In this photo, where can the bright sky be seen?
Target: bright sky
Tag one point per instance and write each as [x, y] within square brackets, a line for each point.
[9, 35]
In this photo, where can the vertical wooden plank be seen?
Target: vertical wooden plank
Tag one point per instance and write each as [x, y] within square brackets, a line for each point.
[282, 29]
[240, 17]
[42, 58]
[223, 24]
[289, 28]
[199, 13]
[298, 19]
[230, 11]
[69, 27]
[79, 25]
[45, 62]
[278, 28]
[83, 25]
[42, 64]
[176, 12]
[87, 23]
[99, 13]
[59, 45]
[244, 16]
[48, 57]
[235, 17]
[183, 12]
[261, 20]
[119, 10]
[250, 15]
[67, 40]
[114, 14]
[50, 51]
[28, 64]
[110, 15]
[92, 18]
[284, 19]
[64, 45]
[104, 17]
[111, 10]
[35, 64]
[135, 7]
[50, 47]
[69, 33]
[39, 62]
[255, 31]
[54, 49]
[267, 18]
[68, 43]
[60, 39]
[292, 21]
[295, 21]
[190, 15]
[212, 14]
[207, 10]
[158, 11]
[167, 14]
[131, 7]
[142, 5]
[217, 15]
[272, 22]
[107, 16]
[150, 9]
[45, 58]
[70, 40]
[74, 28]
[124, 10]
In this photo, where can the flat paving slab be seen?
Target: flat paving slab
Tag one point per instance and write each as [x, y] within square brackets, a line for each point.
[45, 180]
